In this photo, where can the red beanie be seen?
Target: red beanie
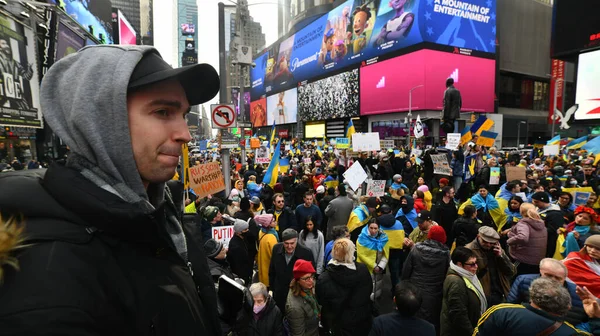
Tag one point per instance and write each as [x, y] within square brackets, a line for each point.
[302, 267]
[444, 181]
[437, 233]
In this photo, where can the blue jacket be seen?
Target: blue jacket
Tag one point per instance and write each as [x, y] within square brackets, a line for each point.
[253, 189]
[328, 249]
[519, 292]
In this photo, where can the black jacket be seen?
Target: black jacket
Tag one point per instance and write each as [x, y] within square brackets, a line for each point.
[280, 272]
[97, 265]
[286, 220]
[452, 103]
[269, 323]
[553, 218]
[240, 260]
[445, 215]
[465, 230]
[426, 267]
[344, 295]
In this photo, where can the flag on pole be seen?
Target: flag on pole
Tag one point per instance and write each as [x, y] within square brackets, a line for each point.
[554, 141]
[349, 131]
[272, 136]
[272, 172]
[465, 135]
[418, 130]
[481, 124]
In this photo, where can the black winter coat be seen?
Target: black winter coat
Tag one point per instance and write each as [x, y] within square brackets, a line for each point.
[98, 265]
[465, 230]
[344, 295]
[269, 323]
[239, 258]
[445, 214]
[280, 272]
[286, 220]
[426, 267]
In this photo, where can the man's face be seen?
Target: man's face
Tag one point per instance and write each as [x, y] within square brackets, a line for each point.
[360, 22]
[4, 47]
[593, 252]
[308, 200]
[485, 244]
[158, 129]
[537, 161]
[290, 245]
[553, 273]
[537, 203]
[218, 217]
[278, 202]
[424, 225]
[450, 193]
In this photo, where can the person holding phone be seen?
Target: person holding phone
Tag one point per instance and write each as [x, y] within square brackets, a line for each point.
[494, 268]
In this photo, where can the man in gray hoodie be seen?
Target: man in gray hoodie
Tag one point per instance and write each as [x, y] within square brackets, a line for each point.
[105, 252]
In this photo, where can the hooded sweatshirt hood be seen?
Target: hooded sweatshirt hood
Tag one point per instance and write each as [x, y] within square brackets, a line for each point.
[551, 207]
[84, 100]
[410, 204]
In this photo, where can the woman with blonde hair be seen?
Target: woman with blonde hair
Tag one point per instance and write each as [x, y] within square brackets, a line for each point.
[527, 241]
[344, 291]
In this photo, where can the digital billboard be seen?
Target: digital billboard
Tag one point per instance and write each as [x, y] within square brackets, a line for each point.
[188, 29]
[282, 107]
[329, 98]
[68, 42]
[385, 86]
[394, 128]
[97, 14]
[235, 100]
[258, 112]
[575, 26]
[127, 34]
[588, 90]
[355, 31]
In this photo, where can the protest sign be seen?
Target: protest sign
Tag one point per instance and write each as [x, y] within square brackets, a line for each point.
[453, 141]
[386, 144]
[441, 165]
[342, 143]
[550, 150]
[222, 234]
[375, 188]
[494, 175]
[355, 176]
[263, 155]
[307, 160]
[470, 163]
[515, 173]
[365, 142]
[581, 197]
[206, 179]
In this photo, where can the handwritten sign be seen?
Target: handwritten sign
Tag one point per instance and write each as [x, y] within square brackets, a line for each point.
[307, 160]
[515, 173]
[441, 165]
[223, 234]
[551, 150]
[365, 142]
[263, 155]
[376, 188]
[494, 175]
[207, 179]
[342, 143]
[386, 144]
[453, 141]
[355, 176]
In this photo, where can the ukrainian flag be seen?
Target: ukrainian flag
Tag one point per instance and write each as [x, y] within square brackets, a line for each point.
[367, 248]
[489, 204]
[554, 141]
[592, 145]
[273, 171]
[318, 150]
[349, 131]
[272, 136]
[482, 124]
[465, 135]
[487, 138]
[577, 143]
[284, 165]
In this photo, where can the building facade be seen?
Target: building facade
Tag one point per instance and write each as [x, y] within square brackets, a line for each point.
[131, 9]
[187, 23]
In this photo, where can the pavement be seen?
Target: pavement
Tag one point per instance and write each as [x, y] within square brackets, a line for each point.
[385, 303]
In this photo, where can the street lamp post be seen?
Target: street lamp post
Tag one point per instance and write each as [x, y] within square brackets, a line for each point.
[556, 80]
[519, 132]
[410, 111]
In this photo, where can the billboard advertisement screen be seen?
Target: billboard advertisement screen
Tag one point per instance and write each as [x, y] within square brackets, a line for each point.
[19, 81]
[68, 42]
[258, 112]
[127, 34]
[575, 26]
[329, 98]
[188, 29]
[97, 14]
[385, 85]
[235, 100]
[588, 90]
[354, 32]
[282, 107]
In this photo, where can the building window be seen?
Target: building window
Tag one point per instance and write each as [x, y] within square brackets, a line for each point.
[519, 91]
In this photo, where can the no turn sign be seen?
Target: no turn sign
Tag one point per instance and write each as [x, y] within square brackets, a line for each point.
[223, 116]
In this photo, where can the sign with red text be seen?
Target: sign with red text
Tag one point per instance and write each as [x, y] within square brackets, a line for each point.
[222, 234]
[207, 179]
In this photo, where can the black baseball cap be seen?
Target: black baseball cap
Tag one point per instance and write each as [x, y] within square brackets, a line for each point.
[424, 215]
[541, 196]
[200, 81]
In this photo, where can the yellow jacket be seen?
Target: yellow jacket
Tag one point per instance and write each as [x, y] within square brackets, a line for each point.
[265, 250]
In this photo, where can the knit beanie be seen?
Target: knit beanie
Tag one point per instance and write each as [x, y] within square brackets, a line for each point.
[263, 220]
[302, 267]
[423, 188]
[437, 233]
[210, 212]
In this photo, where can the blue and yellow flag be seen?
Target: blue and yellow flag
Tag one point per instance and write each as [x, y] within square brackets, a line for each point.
[284, 165]
[481, 124]
[465, 135]
[554, 141]
[349, 131]
[272, 172]
[487, 138]
[592, 145]
[470, 163]
[578, 143]
[272, 136]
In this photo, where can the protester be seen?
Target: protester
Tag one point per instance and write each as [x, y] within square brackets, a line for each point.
[256, 206]
[576, 232]
[266, 319]
[239, 258]
[466, 227]
[527, 241]
[301, 308]
[312, 238]
[216, 253]
[282, 263]
[253, 188]
[494, 268]
[338, 232]
[426, 267]
[395, 232]
[583, 265]
[338, 211]
[419, 234]
[403, 321]
[360, 216]
[552, 217]
[419, 201]
[237, 193]
[267, 239]
[444, 213]
[373, 251]
[284, 217]
[344, 291]
[308, 209]
[464, 300]
[210, 217]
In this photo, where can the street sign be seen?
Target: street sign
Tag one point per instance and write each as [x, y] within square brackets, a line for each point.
[223, 116]
[229, 140]
[244, 124]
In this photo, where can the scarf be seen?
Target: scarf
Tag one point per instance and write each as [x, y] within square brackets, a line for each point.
[511, 215]
[472, 278]
[486, 204]
[312, 301]
[270, 230]
[157, 194]
[571, 244]
[373, 243]
[505, 194]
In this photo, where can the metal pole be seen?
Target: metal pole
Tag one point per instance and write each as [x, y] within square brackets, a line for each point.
[242, 112]
[409, 116]
[518, 134]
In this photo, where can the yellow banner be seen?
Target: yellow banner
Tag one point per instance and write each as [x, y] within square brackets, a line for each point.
[186, 166]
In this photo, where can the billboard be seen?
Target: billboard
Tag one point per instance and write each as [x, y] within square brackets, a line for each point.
[588, 90]
[282, 107]
[385, 86]
[394, 128]
[127, 34]
[97, 14]
[188, 29]
[575, 26]
[67, 42]
[19, 82]
[258, 112]
[355, 31]
[235, 100]
[329, 98]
